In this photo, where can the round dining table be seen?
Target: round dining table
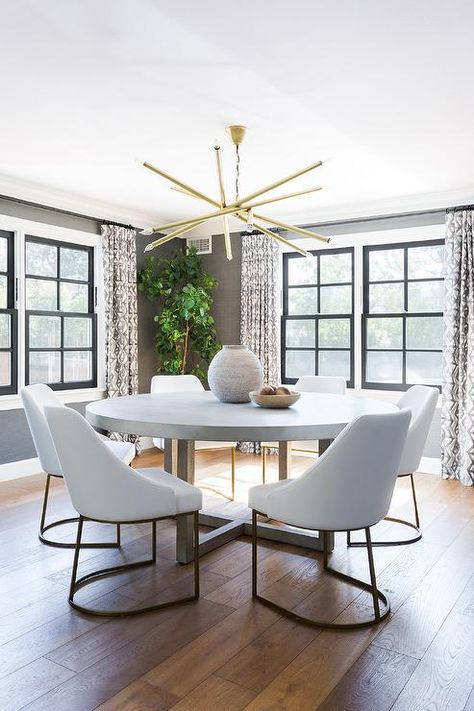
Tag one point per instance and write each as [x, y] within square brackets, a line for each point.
[186, 417]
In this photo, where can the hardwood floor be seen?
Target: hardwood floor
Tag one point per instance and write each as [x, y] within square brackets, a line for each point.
[226, 652]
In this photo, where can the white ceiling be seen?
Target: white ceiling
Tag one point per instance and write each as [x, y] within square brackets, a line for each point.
[383, 91]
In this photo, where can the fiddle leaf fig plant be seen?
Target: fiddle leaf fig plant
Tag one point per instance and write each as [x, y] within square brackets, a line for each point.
[185, 339]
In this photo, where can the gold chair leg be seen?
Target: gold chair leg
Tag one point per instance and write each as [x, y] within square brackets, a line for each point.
[377, 596]
[61, 522]
[264, 464]
[402, 521]
[77, 583]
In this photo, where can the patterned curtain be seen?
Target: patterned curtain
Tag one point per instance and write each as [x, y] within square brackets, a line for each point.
[121, 316]
[457, 415]
[259, 308]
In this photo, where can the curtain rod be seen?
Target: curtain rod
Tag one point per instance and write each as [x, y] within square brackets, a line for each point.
[28, 203]
[460, 207]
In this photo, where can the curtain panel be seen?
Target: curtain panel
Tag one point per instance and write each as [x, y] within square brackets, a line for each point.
[457, 414]
[259, 329]
[121, 314]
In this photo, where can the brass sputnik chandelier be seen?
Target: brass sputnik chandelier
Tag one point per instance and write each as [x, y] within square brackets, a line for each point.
[241, 208]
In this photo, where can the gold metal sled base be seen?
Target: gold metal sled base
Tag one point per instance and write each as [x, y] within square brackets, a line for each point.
[378, 598]
[77, 583]
[62, 522]
[404, 522]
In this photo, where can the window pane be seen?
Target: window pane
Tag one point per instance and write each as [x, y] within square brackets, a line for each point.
[383, 367]
[385, 333]
[41, 295]
[3, 292]
[386, 298]
[425, 332]
[74, 264]
[426, 296]
[3, 254]
[45, 367]
[334, 333]
[41, 259]
[303, 270]
[77, 366]
[335, 363]
[303, 301]
[335, 268]
[5, 331]
[386, 264]
[424, 368]
[77, 332]
[300, 363]
[45, 332]
[300, 333]
[74, 297]
[336, 299]
[426, 262]
[5, 370]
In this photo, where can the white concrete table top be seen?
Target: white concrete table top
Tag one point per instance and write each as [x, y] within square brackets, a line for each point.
[200, 416]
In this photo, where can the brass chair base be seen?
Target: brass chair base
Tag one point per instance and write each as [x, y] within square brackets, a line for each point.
[404, 522]
[377, 596]
[61, 522]
[78, 583]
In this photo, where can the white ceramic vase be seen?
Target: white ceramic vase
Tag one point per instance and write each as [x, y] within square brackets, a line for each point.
[233, 373]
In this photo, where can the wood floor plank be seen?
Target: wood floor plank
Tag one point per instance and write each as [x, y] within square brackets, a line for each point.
[373, 683]
[91, 687]
[216, 693]
[257, 664]
[418, 620]
[311, 676]
[443, 679]
[140, 696]
[199, 659]
[29, 683]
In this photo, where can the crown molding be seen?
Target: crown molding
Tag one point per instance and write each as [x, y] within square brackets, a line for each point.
[57, 199]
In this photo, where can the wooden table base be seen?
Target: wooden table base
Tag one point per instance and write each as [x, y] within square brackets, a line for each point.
[179, 459]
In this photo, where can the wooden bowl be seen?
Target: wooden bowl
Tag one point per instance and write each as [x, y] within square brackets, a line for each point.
[275, 401]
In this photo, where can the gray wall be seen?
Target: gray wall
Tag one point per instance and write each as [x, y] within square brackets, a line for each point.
[226, 306]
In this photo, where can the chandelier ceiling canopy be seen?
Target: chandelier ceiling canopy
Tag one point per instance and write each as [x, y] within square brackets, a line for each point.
[241, 208]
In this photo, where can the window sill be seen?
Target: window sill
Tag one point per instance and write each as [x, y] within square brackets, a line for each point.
[13, 402]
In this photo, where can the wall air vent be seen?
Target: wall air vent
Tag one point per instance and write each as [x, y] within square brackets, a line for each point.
[203, 245]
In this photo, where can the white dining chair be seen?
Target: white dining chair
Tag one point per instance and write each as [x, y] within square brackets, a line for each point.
[307, 384]
[161, 384]
[35, 398]
[421, 401]
[348, 488]
[104, 489]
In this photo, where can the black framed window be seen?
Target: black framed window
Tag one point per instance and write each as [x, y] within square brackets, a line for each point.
[8, 316]
[402, 322]
[318, 322]
[59, 318]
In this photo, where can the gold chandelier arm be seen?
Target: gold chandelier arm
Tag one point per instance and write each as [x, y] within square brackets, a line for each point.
[225, 220]
[172, 235]
[255, 204]
[275, 236]
[186, 187]
[190, 194]
[229, 210]
[292, 228]
[277, 183]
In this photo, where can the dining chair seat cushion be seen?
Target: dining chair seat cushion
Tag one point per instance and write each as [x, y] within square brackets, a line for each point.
[188, 498]
[258, 495]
